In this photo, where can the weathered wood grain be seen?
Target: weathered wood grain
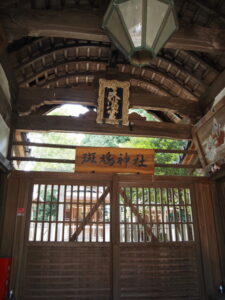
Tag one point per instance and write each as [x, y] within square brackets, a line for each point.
[86, 25]
[32, 98]
[87, 124]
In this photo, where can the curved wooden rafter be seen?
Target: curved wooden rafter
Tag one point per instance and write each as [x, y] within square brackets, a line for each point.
[202, 69]
[43, 54]
[169, 84]
[184, 76]
[90, 52]
[88, 68]
[101, 53]
[214, 15]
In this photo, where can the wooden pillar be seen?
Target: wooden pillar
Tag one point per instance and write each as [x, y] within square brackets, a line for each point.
[3, 182]
[115, 239]
[9, 217]
[208, 239]
[3, 41]
[219, 206]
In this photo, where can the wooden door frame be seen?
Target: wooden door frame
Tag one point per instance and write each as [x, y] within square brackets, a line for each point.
[25, 181]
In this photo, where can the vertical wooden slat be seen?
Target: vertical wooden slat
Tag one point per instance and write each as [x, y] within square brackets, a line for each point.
[37, 211]
[115, 239]
[208, 239]
[57, 213]
[24, 193]
[64, 209]
[50, 212]
[218, 194]
[43, 216]
[138, 226]
[84, 210]
[143, 207]
[103, 215]
[78, 208]
[71, 212]
[132, 227]
[180, 212]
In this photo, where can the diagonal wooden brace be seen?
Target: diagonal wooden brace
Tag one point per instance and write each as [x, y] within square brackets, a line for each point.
[89, 216]
[140, 219]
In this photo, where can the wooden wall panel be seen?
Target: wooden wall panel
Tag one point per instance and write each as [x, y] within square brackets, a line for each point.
[219, 204]
[3, 184]
[9, 218]
[89, 267]
[208, 239]
[159, 272]
[67, 272]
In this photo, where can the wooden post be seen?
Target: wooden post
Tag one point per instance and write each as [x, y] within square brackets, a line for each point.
[3, 40]
[115, 239]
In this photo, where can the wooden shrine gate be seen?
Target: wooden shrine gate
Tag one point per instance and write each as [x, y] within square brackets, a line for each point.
[106, 237]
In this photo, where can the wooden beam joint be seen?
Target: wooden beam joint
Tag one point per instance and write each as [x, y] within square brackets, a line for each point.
[87, 124]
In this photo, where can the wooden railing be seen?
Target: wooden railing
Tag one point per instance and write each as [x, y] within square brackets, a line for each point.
[73, 161]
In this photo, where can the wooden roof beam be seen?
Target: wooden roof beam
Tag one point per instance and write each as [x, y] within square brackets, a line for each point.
[211, 93]
[84, 24]
[87, 124]
[5, 164]
[32, 98]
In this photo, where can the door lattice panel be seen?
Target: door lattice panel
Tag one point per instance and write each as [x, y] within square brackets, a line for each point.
[110, 239]
[62, 213]
[155, 215]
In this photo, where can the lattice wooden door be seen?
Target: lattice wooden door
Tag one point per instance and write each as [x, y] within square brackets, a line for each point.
[110, 237]
[68, 249]
[158, 248]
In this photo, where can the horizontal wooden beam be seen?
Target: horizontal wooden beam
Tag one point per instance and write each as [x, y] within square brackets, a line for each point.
[32, 98]
[85, 24]
[5, 109]
[198, 38]
[211, 93]
[72, 161]
[73, 147]
[5, 164]
[87, 124]
[3, 41]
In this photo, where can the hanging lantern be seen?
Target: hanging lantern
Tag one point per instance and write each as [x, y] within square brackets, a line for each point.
[140, 28]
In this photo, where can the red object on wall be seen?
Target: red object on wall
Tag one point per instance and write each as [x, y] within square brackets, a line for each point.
[5, 264]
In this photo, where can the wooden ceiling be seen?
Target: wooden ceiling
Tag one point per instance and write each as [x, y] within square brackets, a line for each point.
[74, 52]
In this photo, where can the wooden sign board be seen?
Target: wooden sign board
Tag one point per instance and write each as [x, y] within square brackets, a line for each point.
[114, 160]
[113, 102]
[209, 138]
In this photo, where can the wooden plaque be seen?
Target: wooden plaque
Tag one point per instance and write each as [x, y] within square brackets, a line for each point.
[114, 160]
[209, 138]
[113, 102]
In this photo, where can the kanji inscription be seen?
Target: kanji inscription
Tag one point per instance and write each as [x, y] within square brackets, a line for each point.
[114, 160]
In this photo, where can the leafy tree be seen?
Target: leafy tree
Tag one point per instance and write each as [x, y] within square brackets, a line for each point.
[103, 140]
[53, 138]
[159, 143]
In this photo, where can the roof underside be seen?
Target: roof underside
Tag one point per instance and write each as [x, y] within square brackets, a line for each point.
[52, 62]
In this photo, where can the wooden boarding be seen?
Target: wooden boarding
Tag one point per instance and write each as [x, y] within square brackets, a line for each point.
[114, 160]
[209, 137]
[57, 24]
[88, 95]
[114, 255]
[87, 124]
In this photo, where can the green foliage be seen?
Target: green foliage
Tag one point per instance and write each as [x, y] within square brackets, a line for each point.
[103, 140]
[54, 138]
[162, 158]
[47, 211]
